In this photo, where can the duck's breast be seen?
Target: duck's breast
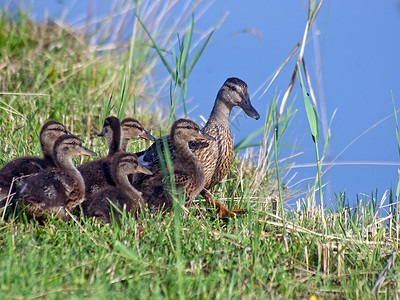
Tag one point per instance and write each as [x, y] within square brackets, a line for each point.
[217, 158]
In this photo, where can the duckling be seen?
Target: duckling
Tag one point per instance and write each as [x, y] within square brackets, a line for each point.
[215, 156]
[188, 172]
[133, 129]
[122, 196]
[24, 166]
[97, 174]
[57, 190]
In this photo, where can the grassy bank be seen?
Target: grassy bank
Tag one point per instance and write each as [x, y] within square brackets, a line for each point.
[49, 72]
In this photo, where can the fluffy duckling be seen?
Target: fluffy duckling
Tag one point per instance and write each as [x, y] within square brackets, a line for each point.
[24, 166]
[122, 196]
[188, 172]
[57, 190]
[97, 174]
[133, 129]
[215, 156]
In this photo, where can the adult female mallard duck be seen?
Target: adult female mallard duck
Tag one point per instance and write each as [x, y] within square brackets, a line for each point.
[124, 195]
[97, 174]
[215, 156]
[188, 173]
[57, 190]
[24, 166]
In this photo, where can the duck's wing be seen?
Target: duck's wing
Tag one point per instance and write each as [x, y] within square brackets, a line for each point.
[150, 158]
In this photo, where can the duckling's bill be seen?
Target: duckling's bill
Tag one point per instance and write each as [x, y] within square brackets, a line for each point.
[143, 170]
[204, 136]
[87, 152]
[145, 135]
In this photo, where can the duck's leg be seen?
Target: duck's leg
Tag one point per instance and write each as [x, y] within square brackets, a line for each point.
[223, 212]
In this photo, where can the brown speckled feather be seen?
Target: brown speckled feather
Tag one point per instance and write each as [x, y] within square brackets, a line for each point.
[218, 156]
[60, 192]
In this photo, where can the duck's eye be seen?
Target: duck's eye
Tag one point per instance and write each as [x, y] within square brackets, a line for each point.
[189, 127]
[233, 88]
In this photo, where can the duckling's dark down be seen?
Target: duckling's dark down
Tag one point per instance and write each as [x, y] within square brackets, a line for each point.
[97, 174]
[188, 174]
[57, 190]
[24, 166]
[123, 196]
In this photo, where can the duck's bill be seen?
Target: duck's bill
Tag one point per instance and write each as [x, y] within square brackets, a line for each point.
[249, 109]
[87, 152]
[143, 170]
[147, 136]
[204, 136]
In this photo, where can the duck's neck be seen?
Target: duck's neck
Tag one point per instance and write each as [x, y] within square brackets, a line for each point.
[122, 182]
[114, 144]
[220, 113]
[47, 155]
[124, 144]
[66, 165]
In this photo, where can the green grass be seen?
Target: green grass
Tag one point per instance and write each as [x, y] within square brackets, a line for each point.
[48, 73]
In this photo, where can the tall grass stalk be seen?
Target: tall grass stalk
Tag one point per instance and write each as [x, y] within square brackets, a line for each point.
[398, 171]
[178, 199]
[314, 127]
[282, 210]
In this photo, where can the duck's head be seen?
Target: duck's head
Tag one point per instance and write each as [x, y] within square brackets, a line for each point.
[49, 133]
[69, 146]
[234, 92]
[112, 132]
[133, 129]
[127, 163]
[186, 131]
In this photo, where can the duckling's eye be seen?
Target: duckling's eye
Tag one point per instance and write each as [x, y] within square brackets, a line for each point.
[189, 127]
[233, 88]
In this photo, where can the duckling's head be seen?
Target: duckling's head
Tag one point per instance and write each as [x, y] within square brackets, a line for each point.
[112, 132]
[184, 131]
[125, 163]
[49, 133]
[133, 129]
[234, 92]
[69, 146]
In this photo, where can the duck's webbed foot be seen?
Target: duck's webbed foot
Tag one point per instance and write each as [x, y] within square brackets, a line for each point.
[223, 212]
